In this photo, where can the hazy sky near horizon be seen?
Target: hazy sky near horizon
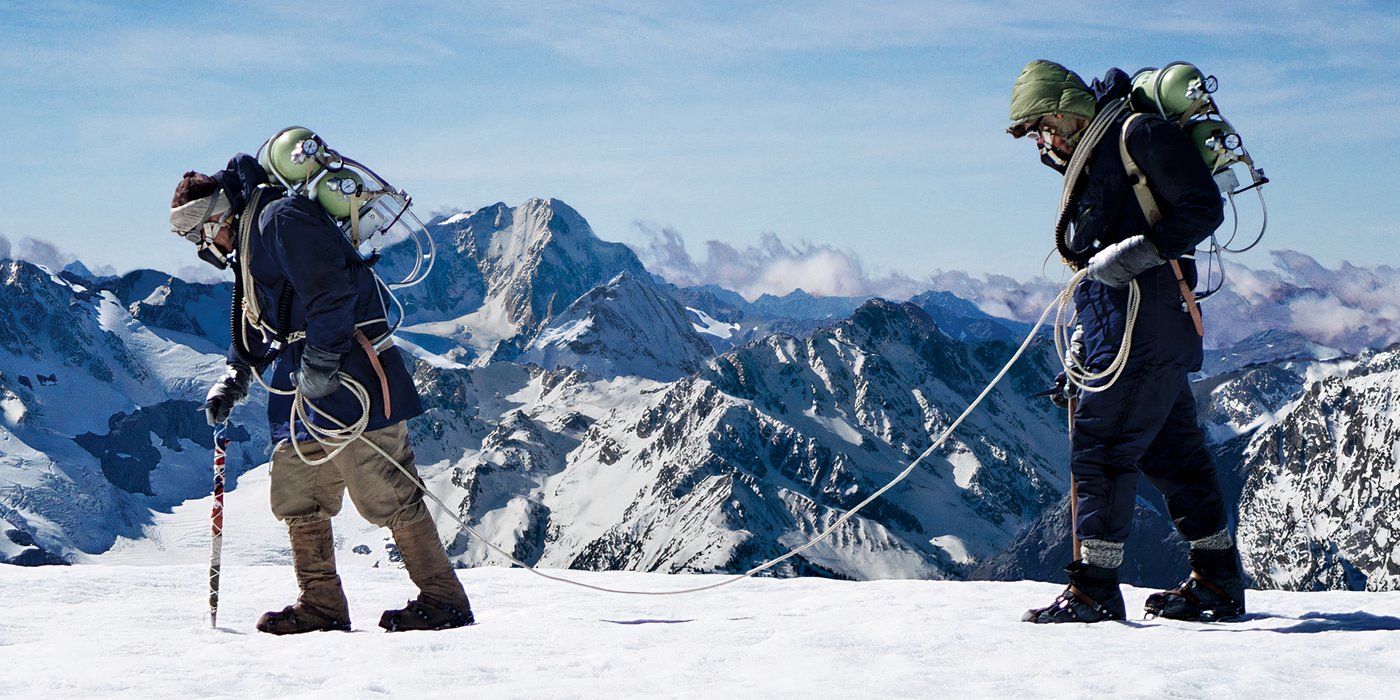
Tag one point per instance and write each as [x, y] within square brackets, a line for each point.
[876, 128]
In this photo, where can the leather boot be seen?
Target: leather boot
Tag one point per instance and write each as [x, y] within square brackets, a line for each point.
[1213, 592]
[441, 602]
[1091, 596]
[321, 605]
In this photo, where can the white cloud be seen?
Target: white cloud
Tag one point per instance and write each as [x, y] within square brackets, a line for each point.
[773, 266]
[44, 253]
[1348, 307]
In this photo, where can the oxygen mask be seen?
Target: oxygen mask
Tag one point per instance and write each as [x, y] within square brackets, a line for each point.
[199, 222]
[1052, 139]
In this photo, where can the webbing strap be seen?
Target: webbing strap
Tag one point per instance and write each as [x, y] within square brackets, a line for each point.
[378, 368]
[252, 311]
[355, 220]
[1154, 216]
[1139, 179]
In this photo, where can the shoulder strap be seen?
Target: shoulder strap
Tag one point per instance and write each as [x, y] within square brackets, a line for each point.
[1154, 215]
[252, 310]
[1139, 179]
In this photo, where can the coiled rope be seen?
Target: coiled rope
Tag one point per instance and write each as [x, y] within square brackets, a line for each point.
[336, 439]
[1076, 372]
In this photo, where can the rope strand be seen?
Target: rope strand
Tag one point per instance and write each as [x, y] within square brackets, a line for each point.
[338, 438]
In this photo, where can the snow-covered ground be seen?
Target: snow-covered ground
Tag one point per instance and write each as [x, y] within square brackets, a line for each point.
[140, 631]
[132, 622]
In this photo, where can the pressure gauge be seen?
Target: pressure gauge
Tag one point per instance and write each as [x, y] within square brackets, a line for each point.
[347, 186]
[1232, 141]
[309, 147]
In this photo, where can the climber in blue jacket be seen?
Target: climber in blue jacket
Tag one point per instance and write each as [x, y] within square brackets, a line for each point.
[299, 281]
[1146, 421]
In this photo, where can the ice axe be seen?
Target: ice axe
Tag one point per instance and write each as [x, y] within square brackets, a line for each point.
[1073, 485]
[1071, 403]
[216, 519]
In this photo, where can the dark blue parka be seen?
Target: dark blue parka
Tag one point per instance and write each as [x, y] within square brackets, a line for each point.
[296, 244]
[1146, 422]
[1108, 212]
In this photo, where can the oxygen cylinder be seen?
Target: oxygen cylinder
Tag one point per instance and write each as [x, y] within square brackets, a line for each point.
[1214, 138]
[333, 192]
[291, 155]
[1168, 91]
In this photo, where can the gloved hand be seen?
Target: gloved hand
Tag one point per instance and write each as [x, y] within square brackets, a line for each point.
[1074, 354]
[1074, 357]
[1060, 397]
[226, 393]
[1119, 263]
[319, 374]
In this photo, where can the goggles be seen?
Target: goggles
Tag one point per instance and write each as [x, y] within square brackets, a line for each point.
[1039, 129]
[191, 220]
[1025, 128]
[203, 231]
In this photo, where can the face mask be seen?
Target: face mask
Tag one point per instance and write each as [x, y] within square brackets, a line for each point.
[1052, 158]
[208, 252]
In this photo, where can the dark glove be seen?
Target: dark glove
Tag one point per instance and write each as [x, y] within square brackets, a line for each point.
[1119, 263]
[319, 375]
[1074, 357]
[1060, 394]
[226, 393]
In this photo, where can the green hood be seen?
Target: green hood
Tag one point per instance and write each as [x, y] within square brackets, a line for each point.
[1045, 87]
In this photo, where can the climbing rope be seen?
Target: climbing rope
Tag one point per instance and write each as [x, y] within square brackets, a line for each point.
[336, 439]
[1066, 318]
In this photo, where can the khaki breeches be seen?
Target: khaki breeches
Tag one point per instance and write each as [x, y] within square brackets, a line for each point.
[303, 494]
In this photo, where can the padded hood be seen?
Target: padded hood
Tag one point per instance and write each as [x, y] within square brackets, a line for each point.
[1045, 87]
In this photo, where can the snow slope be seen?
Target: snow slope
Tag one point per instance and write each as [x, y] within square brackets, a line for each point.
[100, 424]
[144, 634]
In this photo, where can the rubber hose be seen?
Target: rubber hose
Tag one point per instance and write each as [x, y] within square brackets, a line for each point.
[257, 362]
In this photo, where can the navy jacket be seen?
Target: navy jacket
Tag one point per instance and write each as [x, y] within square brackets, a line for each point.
[296, 243]
[1108, 212]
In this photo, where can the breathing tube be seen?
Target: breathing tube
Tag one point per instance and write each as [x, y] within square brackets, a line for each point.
[1074, 188]
[258, 362]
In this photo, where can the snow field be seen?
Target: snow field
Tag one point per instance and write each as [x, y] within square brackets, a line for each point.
[141, 631]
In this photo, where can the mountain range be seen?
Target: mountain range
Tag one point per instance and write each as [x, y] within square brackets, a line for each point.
[585, 413]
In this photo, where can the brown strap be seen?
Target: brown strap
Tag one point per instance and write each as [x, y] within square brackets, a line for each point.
[378, 369]
[1154, 216]
[1190, 298]
[1085, 599]
[1211, 586]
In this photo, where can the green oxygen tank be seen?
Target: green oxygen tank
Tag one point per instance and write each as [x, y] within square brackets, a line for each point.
[1169, 91]
[334, 190]
[291, 155]
[1217, 141]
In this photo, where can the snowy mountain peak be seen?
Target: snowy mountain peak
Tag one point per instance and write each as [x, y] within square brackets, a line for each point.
[883, 321]
[160, 300]
[502, 272]
[624, 327]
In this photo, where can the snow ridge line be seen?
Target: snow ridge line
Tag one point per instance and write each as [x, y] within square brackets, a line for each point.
[337, 440]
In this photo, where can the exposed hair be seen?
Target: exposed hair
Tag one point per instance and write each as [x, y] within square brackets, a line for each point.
[193, 186]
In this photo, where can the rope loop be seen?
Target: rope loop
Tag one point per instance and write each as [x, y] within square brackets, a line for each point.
[337, 438]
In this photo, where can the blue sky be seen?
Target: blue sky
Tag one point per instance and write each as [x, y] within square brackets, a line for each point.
[873, 127]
